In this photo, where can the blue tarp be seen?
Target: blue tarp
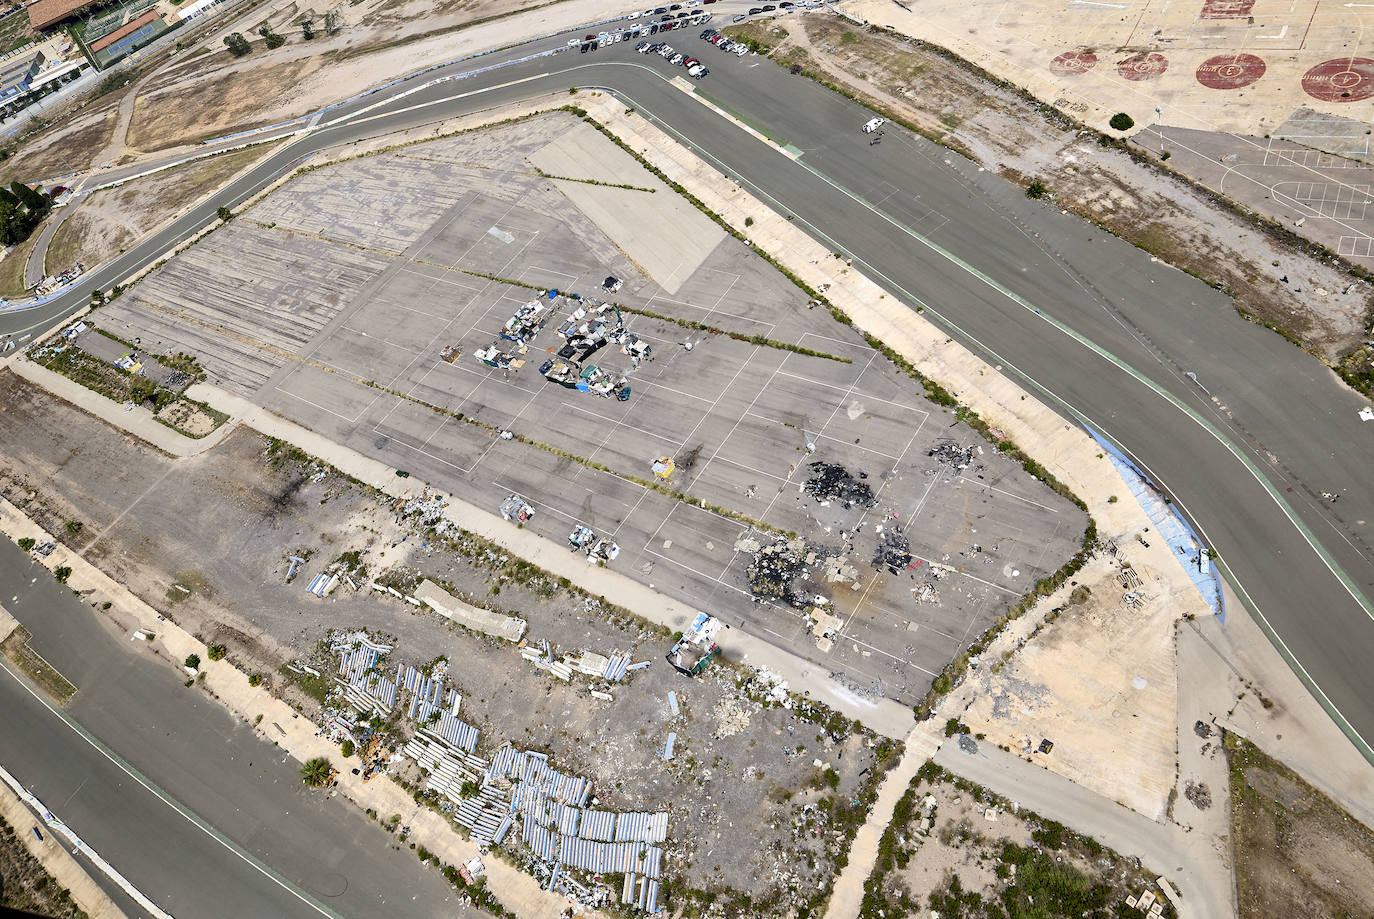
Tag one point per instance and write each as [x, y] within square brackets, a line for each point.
[1169, 525]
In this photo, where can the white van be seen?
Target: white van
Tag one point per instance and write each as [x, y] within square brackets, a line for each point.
[874, 124]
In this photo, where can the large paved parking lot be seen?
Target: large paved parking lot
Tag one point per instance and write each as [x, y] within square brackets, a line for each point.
[332, 301]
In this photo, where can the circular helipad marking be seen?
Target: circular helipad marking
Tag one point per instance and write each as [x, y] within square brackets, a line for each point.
[1139, 67]
[1073, 63]
[1346, 79]
[1230, 71]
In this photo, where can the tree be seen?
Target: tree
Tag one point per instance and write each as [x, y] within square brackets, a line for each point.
[238, 45]
[270, 38]
[307, 29]
[468, 789]
[317, 772]
[346, 749]
[74, 527]
[26, 543]
[192, 661]
[61, 573]
[31, 199]
[333, 21]
[217, 652]
[224, 213]
[1122, 122]
[1036, 189]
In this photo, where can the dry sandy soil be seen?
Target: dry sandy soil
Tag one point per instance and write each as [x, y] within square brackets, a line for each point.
[1005, 131]
[206, 540]
[1297, 853]
[109, 221]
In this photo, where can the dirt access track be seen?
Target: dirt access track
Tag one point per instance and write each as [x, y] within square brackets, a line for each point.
[1215, 65]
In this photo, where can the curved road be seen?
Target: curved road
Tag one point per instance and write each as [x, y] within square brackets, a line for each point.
[1092, 324]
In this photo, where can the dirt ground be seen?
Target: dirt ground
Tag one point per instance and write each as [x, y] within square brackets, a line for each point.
[206, 541]
[959, 851]
[207, 96]
[109, 221]
[12, 267]
[25, 885]
[1002, 130]
[1099, 681]
[1296, 852]
[66, 147]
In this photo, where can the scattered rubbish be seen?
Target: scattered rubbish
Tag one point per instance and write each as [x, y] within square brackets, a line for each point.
[893, 552]
[141, 635]
[663, 467]
[603, 696]
[511, 628]
[322, 584]
[1046, 745]
[967, 744]
[668, 747]
[693, 653]
[450, 354]
[672, 703]
[296, 562]
[779, 570]
[581, 537]
[603, 550]
[493, 356]
[951, 454]
[832, 482]
[514, 508]
[525, 323]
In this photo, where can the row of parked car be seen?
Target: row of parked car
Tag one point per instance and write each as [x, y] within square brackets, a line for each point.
[695, 68]
[711, 36]
[668, 23]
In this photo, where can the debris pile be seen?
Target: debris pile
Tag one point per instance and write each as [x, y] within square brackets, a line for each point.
[777, 570]
[893, 552]
[693, 652]
[949, 453]
[832, 482]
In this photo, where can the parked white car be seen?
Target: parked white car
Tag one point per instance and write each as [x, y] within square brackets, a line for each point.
[874, 124]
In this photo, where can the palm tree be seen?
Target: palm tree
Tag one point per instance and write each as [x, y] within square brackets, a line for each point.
[317, 772]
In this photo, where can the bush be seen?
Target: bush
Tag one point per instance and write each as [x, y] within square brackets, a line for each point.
[224, 213]
[62, 573]
[255, 679]
[307, 30]
[748, 221]
[26, 544]
[217, 652]
[346, 749]
[1036, 189]
[1122, 122]
[74, 527]
[270, 38]
[192, 661]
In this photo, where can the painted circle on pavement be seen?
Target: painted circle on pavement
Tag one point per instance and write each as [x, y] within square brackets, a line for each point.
[1139, 67]
[1346, 79]
[1073, 63]
[1230, 71]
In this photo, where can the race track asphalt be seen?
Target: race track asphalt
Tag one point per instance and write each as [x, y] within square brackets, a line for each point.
[1096, 327]
[326, 859]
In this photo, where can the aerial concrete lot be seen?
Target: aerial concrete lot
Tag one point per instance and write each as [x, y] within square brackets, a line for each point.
[264, 304]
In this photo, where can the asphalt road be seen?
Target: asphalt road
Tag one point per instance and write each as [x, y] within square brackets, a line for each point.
[1089, 322]
[324, 857]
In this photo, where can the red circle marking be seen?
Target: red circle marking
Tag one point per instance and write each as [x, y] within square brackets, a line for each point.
[1230, 71]
[1143, 67]
[1073, 63]
[1346, 79]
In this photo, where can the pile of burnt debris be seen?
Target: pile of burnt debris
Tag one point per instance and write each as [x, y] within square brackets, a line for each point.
[780, 570]
[893, 552]
[949, 453]
[833, 482]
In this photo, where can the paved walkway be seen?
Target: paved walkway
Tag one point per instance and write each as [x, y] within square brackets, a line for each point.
[1186, 861]
[135, 419]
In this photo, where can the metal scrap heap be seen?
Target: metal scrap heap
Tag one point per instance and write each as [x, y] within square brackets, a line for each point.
[833, 482]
